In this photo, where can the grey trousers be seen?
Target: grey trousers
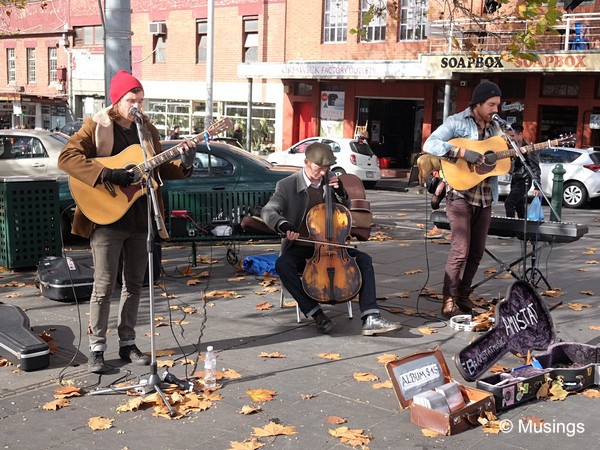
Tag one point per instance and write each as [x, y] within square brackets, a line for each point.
[107, 246]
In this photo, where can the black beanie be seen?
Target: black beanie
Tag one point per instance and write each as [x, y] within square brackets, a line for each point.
[483, 91]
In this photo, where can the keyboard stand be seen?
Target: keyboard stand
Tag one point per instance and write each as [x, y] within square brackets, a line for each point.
[532, 275]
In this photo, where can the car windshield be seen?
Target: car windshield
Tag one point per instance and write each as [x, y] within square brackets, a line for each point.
[361, 147]
[59, 137]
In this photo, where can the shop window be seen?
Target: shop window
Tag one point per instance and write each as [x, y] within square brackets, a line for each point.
[91, 35]
[413, 17]
[304, 89]
[513, 87]
[374, 30]
[31, 65]
[335, 21]
[52, 64]
[263, 122]
[11, 62]
[202, 41]
[560, 86]
[250, 39]
[160, 48]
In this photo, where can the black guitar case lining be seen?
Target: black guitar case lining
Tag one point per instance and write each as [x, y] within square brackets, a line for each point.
[26, 349]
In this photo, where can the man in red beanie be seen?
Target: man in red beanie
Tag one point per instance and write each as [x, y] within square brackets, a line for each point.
[86, 157]
[469, 211]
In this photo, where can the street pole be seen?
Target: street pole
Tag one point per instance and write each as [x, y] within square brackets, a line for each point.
[210, 22]
[117, 40]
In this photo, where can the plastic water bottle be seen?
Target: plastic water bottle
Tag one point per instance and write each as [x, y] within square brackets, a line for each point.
[210, 366]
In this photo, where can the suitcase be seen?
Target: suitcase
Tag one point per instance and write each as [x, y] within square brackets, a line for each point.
[25, 349]
[421, 373]
[523, 324]
[578, 365]
[64, 280]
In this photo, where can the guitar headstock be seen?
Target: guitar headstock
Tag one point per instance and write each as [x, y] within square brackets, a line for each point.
[219, 126]
[566, 140]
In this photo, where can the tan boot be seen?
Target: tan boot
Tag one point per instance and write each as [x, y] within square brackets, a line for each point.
[449, 308]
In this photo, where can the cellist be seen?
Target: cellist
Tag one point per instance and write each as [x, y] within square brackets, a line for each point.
[286, 213]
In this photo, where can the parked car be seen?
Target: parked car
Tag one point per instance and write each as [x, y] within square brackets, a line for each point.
[223, 168]
[224, 139]
[581, 179]
[30, 152]
[353, 156]
[71, 128]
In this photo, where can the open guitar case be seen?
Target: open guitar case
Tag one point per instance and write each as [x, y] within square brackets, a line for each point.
[523, 324]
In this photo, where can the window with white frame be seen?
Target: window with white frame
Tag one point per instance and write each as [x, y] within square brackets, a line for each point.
[160, 48]
[11, 63]
[413, 17]
[374, 31]
[202, 33]
[335, 21]
[52, 64]
[31, 65]
[250, 39]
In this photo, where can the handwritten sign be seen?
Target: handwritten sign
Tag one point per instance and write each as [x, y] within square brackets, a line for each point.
[523, 323]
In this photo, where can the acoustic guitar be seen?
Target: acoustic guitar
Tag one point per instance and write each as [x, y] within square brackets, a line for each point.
[104, 203]
[462, 175]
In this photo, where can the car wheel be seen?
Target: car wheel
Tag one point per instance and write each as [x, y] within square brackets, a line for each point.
[338, 171]
[574, 195]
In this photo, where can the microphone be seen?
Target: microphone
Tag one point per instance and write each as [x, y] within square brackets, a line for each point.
[499, 120]
[136, 113]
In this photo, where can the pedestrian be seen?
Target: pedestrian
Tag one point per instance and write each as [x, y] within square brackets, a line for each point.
[286, 213]
[520, 181]
[106, 134]
[175, 133]
[469, 211]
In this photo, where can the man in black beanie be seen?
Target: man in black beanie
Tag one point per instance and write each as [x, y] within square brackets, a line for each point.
[469, 211]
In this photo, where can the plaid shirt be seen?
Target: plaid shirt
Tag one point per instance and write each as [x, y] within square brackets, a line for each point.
[463, 125]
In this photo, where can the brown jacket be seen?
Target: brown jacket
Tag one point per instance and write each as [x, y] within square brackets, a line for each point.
[82, 154]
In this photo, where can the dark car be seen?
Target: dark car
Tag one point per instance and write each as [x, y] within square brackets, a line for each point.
[222, 168]
[71, 128]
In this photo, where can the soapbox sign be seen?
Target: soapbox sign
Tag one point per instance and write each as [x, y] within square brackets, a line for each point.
[523, 323]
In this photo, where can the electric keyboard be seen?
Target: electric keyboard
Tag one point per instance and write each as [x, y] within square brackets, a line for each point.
[559, 232]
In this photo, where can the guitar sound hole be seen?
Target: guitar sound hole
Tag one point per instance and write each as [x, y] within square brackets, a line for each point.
[490, 158]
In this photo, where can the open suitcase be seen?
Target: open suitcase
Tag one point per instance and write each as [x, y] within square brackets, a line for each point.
[523, 323]
[421, 373]
[26, 349]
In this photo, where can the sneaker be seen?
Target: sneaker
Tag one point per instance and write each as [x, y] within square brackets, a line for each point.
[375, 324]
[323, 323]
[434, 233]
[131, 353]
[96, 362]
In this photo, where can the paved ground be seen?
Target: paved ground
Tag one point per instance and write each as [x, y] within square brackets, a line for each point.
[308, 387]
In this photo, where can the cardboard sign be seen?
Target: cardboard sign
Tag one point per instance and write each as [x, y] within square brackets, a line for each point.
[523, 323]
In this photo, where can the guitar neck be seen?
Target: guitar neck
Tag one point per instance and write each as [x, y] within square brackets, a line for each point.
[536, 147]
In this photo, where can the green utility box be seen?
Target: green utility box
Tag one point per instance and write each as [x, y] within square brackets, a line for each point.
[29, 221]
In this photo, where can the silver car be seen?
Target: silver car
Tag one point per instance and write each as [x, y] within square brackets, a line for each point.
[353, 156]
[581, 179]
[30, 152]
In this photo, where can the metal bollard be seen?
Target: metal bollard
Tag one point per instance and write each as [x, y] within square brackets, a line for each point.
[557, 192]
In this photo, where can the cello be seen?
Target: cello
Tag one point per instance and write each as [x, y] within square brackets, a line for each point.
[331, 275]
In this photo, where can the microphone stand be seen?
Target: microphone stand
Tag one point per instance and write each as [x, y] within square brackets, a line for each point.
[533, 269]
[154, 382]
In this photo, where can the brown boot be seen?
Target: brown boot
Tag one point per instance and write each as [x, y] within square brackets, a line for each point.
[449, 308]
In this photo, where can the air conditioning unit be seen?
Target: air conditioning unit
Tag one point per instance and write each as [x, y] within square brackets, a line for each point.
[157, 28]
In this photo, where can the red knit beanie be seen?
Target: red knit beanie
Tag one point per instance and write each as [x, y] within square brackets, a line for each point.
[121, 84]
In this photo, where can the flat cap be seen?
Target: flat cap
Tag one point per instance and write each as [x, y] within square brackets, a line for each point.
[320, 154]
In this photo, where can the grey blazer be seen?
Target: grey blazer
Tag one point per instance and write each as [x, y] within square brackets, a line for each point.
[289, 202]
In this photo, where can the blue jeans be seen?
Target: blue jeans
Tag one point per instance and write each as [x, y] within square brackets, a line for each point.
[107, 246]
[292, 262]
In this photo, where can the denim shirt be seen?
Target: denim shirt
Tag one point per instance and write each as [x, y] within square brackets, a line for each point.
[460, 125]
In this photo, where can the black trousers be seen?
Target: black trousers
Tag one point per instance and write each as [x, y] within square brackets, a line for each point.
[516, 202]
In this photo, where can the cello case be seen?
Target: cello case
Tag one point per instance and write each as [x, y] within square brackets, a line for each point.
[360, 207]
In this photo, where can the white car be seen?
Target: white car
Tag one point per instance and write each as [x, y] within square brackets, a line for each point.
[581, 179]
[30, 153]
[353, 156]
